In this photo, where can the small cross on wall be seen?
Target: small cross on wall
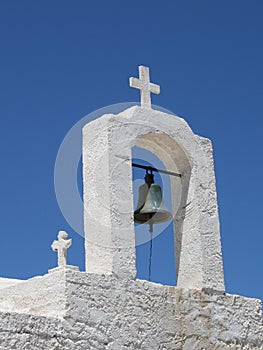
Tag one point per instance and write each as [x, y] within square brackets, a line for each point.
[145, 86]
[61, 246]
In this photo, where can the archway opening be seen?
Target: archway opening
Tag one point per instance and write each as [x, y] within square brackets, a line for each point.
[155, 252]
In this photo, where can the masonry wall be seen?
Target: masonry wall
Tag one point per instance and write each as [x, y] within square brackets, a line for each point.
[29, 332]
[107, 313]
[142, 315]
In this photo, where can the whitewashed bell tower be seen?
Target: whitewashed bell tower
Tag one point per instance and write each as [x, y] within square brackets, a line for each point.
[108, 192]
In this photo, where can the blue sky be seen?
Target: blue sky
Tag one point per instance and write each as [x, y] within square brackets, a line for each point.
[61, 60]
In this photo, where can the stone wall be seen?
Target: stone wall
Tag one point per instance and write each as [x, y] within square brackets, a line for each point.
[41, 295]
[108, 313]
[28, 332]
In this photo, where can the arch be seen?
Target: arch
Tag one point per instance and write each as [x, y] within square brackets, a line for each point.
[110, 246]
[155, 260]
[174, 159]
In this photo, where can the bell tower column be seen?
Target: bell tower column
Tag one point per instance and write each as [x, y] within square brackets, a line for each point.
[108, 199]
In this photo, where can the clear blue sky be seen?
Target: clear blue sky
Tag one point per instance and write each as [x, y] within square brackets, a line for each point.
[61, 60]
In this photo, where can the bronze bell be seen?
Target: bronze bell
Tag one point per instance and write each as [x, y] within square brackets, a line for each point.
[151, 208]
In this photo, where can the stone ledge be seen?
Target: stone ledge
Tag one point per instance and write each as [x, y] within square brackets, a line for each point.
[64, 268]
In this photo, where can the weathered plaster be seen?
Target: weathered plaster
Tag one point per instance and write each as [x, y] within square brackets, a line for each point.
[41, 295]
[8, 282]
[107, 313]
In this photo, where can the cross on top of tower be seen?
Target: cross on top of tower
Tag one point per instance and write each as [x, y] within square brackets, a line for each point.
[146, 87]
[61, 246]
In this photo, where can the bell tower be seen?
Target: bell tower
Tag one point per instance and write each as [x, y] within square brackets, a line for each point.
[106, 307]
[108, 191]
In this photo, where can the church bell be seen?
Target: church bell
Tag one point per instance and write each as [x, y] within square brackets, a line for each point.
[151, 208]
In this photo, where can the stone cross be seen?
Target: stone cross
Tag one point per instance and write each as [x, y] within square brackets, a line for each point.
[143, 84]
[61, 246]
